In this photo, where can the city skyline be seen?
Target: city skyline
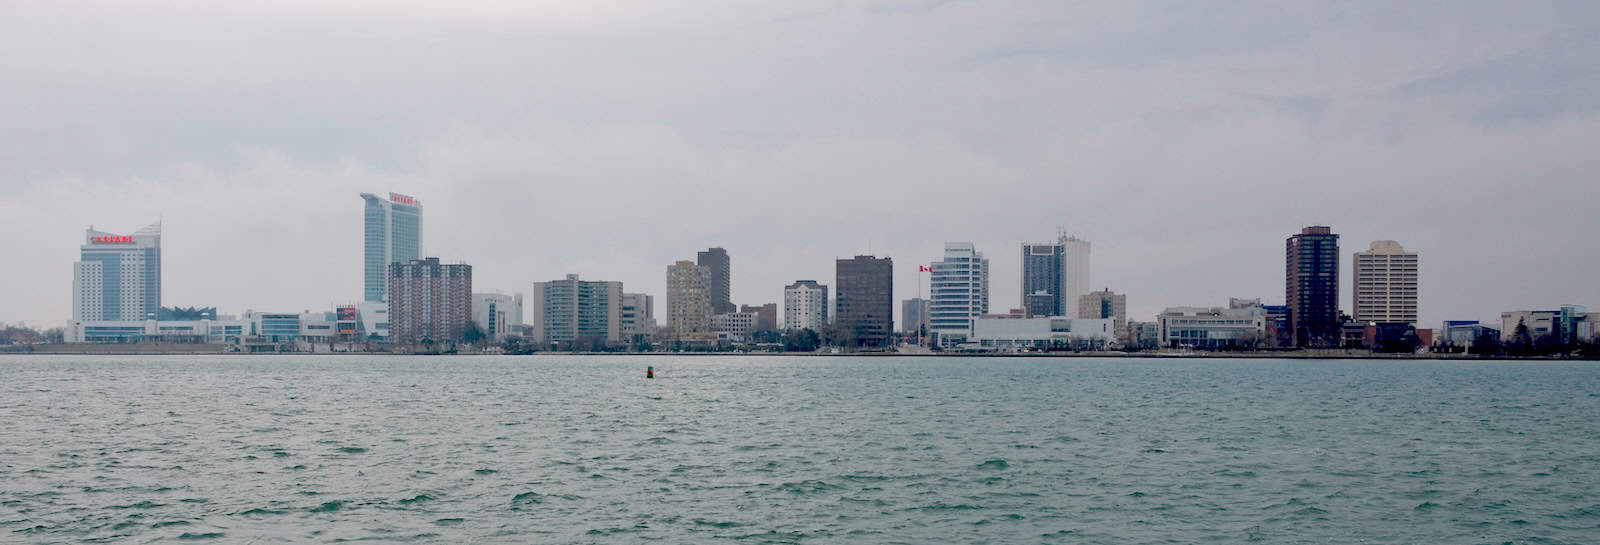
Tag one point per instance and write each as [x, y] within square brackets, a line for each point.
[1457, 131]
[1346, 279]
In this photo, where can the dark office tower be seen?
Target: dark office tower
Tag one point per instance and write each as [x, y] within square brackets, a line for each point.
[1311, 286]
[864, 299]
[1054, 275]
[717, 260]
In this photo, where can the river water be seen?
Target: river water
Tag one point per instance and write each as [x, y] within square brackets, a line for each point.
[584, 449]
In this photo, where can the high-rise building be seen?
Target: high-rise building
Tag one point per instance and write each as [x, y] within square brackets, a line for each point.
[716, 259]
[914, 316]
[958, 293]
[688, 298]
[766, 316]
[572, 310]
[497, 314]
[864, 299]
[805, 305]
[118, 277]
[1384, 282]
[393, 235]
[429, 301]
[1054, 275]
[1311, 287]
[1106, 304]
[638, 315]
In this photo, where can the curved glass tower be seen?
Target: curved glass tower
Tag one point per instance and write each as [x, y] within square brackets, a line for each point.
[393, 235]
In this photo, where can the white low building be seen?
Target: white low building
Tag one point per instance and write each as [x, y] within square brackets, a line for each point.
[373, 317]
[1043, 333]
[1212, 327]
[497, 314]
[169, 331]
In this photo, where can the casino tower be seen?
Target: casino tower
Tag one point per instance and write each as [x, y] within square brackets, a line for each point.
[118, 277]
[393, 235]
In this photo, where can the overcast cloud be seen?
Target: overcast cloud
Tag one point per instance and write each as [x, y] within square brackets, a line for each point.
[1184, 139]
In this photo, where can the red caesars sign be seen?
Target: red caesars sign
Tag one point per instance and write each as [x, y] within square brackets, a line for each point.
[402, 199]
[113, 239]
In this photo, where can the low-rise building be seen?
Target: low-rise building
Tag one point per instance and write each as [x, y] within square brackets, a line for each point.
[222, 331]
[1465, 332]
[1141, 335]
[1573, 324]
[283, 327]
[766, 316]
[1043, 333]
[734, 326]
[1538, 322]
[1212, 327]
[1105, 304]
[497, 314]
[373, 320]
[638, 316]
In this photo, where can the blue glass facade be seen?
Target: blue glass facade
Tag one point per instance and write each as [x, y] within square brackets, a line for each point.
[280, 327]
[493, 321]
[113, 334]
[392, 234]
[375, 271]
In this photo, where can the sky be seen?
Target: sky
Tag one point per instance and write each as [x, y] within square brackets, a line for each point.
[1185, 140]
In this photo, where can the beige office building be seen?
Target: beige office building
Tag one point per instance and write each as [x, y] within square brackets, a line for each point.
[1385, 282]
[688, 298]
[1105, 304]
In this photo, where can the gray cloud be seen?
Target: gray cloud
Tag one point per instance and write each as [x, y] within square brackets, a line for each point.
[1185, 141]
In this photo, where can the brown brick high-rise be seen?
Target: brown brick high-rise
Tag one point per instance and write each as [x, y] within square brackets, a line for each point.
[429, 301]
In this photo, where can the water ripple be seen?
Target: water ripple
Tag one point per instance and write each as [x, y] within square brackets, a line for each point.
[795, 450]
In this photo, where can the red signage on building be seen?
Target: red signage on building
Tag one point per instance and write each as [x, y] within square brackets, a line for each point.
[112, 239]
[402, 199]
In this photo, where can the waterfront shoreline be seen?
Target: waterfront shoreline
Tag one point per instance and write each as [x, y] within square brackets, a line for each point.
[215, 350]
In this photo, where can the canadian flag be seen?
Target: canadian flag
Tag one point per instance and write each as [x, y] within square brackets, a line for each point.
[921, 268]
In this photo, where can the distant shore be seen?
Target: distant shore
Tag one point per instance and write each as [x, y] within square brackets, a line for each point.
[219, 350]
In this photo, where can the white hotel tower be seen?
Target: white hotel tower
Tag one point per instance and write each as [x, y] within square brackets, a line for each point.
[805, 305]
[959, 293]
[118, 277]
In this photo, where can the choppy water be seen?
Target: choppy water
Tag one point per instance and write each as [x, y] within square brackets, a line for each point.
[244, 449]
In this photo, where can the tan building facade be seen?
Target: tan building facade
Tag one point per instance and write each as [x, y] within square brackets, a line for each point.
[688, 298]
[1106, 304]
[1385, 284]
